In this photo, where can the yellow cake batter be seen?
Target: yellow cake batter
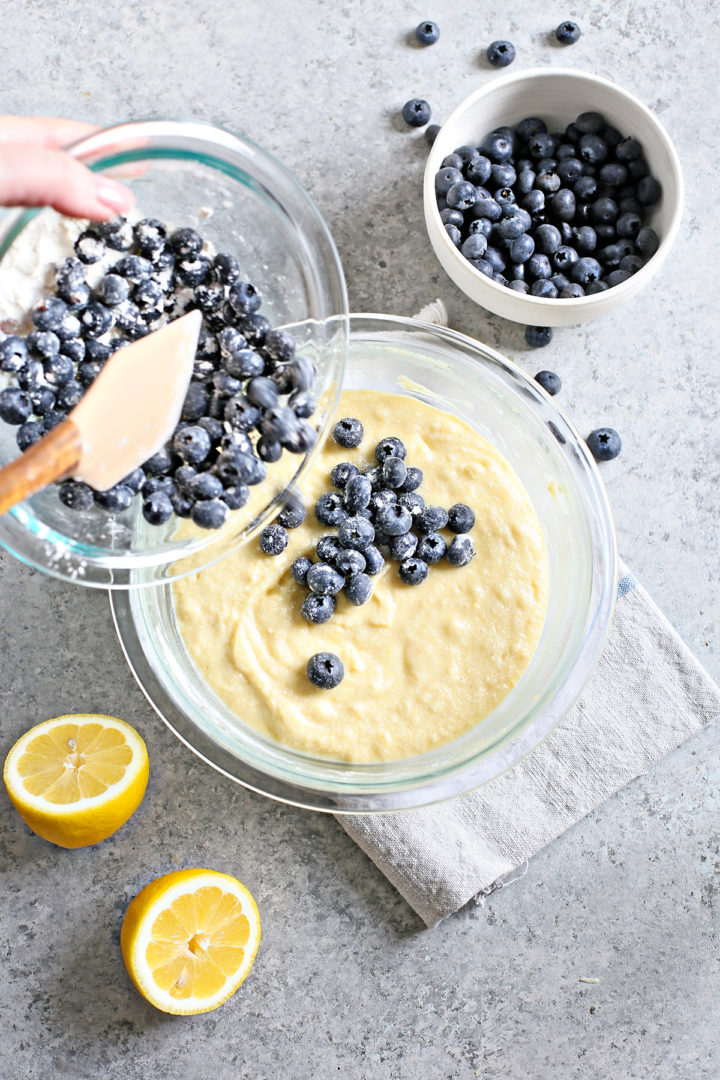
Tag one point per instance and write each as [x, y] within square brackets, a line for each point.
[423, 664]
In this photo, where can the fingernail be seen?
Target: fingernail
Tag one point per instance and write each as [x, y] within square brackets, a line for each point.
[113, 195]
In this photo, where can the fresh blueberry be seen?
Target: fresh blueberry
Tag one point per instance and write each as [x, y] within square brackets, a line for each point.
[500, 53]
[547, 240]
[564, 258]
[521, 249]
[15, 405]
[455, 235]
[628, 225]
[431, 132]
[416, 112]
[616, 277]
[358, 492]
[487, 207]
[461, 518]
[262, 392]
[631, 263]
[559, 281]
[604, 444]
[461, 196]
[649, 191]
[157, 508]
[497, 147]
[568, 32]
[585, 188]
[595, 287]
[573, 291]
[427, 32]
[300, 568]
[329, 509]
[534, 202]
[192, 443]
[342, 472]
[273, 540]
[475, 246]
[356, 532]
[479, 170]
[115, 499]
[318, 609]
[202, 486]
[647, 242]
[563, 204]
[592, 149]
[551, 384]
[628, 149]
[403, 546]
[76, 495]
[525, 182]
[325, 670]
[134, 480]
[503, 175]
[210, 513]
[431, 519]
[586, 270]
[590, 123]
[292, 514]
[236, 496]
[461, 550]
[538, 337]
[446, 177]
[323, 579]
[550, 182]
[413, 571]
[348, 432]
[431, 548]
[151, 484]
[452, 217]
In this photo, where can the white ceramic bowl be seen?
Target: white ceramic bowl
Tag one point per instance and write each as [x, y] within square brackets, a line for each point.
[558, 96]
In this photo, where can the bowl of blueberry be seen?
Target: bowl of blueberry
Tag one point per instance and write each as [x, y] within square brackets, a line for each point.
[219, 226]
[552, 196]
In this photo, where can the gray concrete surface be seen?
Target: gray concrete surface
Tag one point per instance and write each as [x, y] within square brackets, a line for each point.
[346, 982]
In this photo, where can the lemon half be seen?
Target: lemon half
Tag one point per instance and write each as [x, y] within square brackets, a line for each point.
[189, 940]
[76, 779]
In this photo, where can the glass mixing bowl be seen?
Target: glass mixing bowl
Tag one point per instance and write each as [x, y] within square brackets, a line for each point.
[462, 377]
[244, 201]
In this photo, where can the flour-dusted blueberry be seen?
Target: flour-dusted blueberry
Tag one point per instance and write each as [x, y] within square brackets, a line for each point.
[227, 268]
[324, 580]
[389, 447]
[461, 550]
[69, 395]
[412, 502]
[210, 513]
[74, 348]
[88, 371]
[96, 319]
[204, 485]
[13, 353]
[329, 509]
[185, 242]
[115, 499]
[292, 514]
[568, 32]
[358, 589]
[551, 384]
[394, 472]
[325, 670]
[273, 540]
[416, 112]
[413, 571]
[30, 376]
[68, 329]
[76, 495]
[328, 548]
[342, 472]
[193, 272]
[89, 247]
[500, 53]
[182, 507]
[160, 463]
[318, 609]
[403, 546]
[348, 432]
[374, 561]
[356, 532]
[280, 346]
[134, 268]
[349, 562]
[461, 518]
[431, 519]
[15, 405]
[431, 548]
[134, 480]
[413, 479]
[214, 428]
[393, 520]
[538, 337]
[157, 509]
[300, 568]
[242, 415]
[43, 343]
[44, 400]
[150, 236]
[196, 402]
[358, 492]
[116, 232]
[192, 443]
[604, 443]
[236, 496]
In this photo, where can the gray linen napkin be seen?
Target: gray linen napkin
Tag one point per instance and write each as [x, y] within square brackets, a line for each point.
[646, 696]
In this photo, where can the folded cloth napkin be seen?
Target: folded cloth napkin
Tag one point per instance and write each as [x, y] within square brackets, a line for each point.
[646, 696]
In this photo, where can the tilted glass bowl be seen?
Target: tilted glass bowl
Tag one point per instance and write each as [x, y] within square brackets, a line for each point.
[244, 201]
[462, 377]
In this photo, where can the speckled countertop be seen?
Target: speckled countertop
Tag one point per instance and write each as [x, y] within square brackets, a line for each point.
[346, 982]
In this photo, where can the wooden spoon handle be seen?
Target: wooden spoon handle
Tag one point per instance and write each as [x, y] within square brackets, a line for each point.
[55, 455]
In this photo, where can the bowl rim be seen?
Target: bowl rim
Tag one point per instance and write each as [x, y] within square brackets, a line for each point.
[438, 234]
[489, 764]
[70, 558]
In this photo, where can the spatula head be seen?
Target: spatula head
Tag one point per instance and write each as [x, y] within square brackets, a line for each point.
[131, 409]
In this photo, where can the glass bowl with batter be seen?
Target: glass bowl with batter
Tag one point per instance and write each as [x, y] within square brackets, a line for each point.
[242, 200]
[561, 518]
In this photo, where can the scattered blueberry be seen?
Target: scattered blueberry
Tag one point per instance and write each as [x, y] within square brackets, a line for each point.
[427, 32]
[348, 432]
[431, 519]
[300, 568]
[416, 112]
[461, 550]
[500, 53]
[604, 444]
[325, 670]
[273, 540]
[568, 32]
[292, 514]
[538, 337]
[551, 384]
[329, 509]
[413, 571]
[318, 609]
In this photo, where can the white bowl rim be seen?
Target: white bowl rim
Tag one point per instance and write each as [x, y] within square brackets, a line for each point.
[585, 303]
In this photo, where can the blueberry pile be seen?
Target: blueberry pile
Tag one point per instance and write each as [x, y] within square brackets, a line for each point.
[377, 508]
[250, 397]
[553, 214]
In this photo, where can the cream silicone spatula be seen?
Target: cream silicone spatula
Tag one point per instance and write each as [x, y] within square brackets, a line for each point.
[125, 417]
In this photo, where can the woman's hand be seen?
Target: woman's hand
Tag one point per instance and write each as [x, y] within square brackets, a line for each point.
[35, 171]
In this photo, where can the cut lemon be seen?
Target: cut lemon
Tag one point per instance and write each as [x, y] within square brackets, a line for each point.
[189, 939]
[76, 779]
